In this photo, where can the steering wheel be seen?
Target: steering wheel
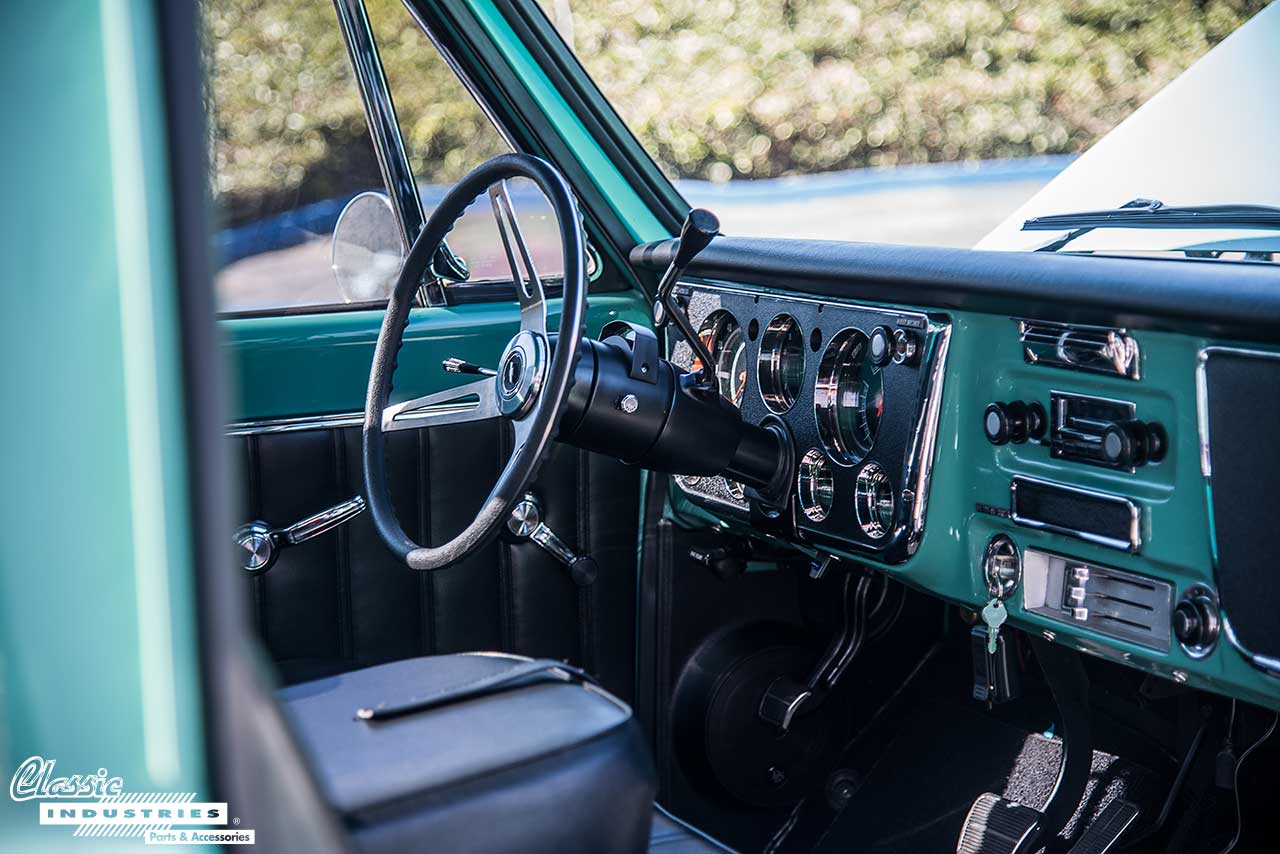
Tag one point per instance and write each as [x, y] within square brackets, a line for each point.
[533, 378]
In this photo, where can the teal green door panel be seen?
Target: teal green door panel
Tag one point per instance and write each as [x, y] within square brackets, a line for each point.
[318, 364]
[98, 658]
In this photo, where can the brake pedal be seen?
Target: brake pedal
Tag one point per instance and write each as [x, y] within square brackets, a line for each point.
[1106, 829]
[995, 825]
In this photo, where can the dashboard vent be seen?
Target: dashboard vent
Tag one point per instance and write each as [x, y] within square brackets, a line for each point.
[1096, 349]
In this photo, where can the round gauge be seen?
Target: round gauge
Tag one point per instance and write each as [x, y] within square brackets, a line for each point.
[781, 365]
[722, 336]
[873, 501]
[848, 397]
[814, 487]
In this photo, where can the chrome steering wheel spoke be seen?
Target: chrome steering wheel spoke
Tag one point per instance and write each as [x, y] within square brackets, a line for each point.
[533, 302]
[475, 401]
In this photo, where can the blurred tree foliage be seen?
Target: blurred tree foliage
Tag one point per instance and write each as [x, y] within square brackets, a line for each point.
[723, 89]
[286, 123]
[715, 89]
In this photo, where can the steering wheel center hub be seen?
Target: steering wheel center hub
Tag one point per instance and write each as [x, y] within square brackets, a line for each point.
[520, 374]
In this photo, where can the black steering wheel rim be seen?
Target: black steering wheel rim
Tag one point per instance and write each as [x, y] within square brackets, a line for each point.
[543, 385]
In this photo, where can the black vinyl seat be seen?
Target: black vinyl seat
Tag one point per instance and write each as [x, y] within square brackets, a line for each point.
[477, 753]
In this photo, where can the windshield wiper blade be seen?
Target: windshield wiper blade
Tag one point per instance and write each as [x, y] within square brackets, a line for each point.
[1150, 213]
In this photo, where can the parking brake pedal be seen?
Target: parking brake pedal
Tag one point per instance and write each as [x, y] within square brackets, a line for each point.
[998, 826]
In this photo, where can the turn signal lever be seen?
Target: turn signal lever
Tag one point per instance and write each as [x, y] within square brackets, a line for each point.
[261, 543]
[699, 228]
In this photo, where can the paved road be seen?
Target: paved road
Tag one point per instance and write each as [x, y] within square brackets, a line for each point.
[956, 213]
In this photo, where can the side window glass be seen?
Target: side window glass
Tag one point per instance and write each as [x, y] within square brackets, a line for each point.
[446, 135]
[290, 147]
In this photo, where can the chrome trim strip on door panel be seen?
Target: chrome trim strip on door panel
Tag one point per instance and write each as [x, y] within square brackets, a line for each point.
[295, 425]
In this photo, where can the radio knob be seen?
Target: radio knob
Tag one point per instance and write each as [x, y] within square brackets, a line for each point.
[1128, 444]
[1008, 422]
[1037, 420]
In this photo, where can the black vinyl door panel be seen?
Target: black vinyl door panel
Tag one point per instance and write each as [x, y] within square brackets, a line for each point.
[343, 601]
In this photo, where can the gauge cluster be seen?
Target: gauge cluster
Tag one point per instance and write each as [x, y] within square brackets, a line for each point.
[858, 389]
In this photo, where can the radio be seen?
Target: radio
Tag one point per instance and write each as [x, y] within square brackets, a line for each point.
[1092, 430]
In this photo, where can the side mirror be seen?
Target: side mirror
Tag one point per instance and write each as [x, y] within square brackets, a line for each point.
[367, 253]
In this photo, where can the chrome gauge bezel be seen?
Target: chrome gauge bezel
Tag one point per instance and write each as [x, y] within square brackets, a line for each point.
[874, 503]
[782, 355]
[813, 479]
[847, 348]
[719, 327]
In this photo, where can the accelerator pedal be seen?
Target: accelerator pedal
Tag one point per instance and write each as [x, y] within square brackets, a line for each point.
[998, 826]
[1106, 829]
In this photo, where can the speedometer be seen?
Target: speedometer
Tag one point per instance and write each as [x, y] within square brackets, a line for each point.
[722, 336]
[848, 398]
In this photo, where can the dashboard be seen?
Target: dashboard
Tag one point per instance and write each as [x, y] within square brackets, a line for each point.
[1094, 467]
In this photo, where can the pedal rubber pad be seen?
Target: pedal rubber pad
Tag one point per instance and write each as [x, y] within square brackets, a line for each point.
[998, 826]
[1106, 829]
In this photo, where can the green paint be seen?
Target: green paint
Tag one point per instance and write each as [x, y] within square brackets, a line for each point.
[98, 664]
[319, 363]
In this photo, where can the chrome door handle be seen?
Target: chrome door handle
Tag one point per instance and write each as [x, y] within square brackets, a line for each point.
[261, 543]
[526, 523]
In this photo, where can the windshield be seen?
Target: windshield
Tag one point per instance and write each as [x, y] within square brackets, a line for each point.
[923, 122]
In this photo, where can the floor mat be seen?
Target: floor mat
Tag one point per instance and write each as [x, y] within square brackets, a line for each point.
[914, 798]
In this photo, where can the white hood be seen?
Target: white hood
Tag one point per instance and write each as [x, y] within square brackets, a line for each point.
[1212, 136]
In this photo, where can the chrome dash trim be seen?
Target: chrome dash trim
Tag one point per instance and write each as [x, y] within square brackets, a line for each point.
[1202, 411]
[295, 425]
[1266, 664]
[924, 442]
[1133, 545]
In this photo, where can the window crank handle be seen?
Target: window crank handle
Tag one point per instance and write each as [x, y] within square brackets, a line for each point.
[261, 543]
[526, 523]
